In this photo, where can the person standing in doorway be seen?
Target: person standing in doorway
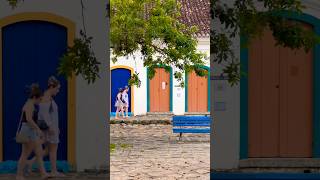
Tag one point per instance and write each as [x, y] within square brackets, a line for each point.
[119, 103]
[126, 101]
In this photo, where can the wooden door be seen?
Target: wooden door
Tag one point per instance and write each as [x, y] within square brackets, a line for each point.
[296, 107]
[280, 100]
[31, 53]
[119, 79]
[263, 98]
[160, 91]
[197, 93]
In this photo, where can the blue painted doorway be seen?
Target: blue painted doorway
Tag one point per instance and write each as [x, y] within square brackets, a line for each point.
[119, 79]
[31, 52]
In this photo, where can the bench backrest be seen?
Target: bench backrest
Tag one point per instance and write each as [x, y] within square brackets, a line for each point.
[191, 121]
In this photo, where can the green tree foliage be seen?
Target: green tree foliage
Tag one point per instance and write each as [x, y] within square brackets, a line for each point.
[152, 28]
[80, 59]
[242, 17]
[13, 3]
[163, 40]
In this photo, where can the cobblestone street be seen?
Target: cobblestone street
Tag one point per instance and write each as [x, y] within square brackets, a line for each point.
[154, 152]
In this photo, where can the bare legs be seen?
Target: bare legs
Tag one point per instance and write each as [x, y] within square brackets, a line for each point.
[119, 110]
[45, 152]
[51, 150]
[126, 110]
[25, 153]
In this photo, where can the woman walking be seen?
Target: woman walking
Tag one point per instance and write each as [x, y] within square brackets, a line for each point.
[31, 131]
[126, 100]
[119, 103]
[49, 113]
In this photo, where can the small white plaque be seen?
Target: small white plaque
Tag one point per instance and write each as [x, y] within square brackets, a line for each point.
[163, 85]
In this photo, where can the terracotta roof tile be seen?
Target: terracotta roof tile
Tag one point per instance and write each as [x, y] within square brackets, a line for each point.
[196, 13]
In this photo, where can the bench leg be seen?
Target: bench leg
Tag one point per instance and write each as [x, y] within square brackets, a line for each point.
[180, 136]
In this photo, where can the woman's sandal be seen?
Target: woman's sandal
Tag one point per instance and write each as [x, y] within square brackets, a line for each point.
[46, 176]
[28, 170]
[20, 178]
[57, 174]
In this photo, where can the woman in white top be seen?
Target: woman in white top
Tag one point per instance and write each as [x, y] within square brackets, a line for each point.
[49, 113]
[125, 98]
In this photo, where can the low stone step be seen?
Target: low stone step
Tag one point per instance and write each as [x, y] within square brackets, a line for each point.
[143, 122]
[197, 113]
[160, 114]
[280, 163]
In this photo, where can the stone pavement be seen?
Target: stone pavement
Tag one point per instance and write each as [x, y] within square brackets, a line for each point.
[154, 152]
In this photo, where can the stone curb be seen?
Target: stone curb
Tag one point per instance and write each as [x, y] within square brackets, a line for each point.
[141, 122]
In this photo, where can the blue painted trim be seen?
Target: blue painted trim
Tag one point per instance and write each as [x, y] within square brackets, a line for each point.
[171, 90]
[316, 98]
[209, 89]
[10, 167]
[315, 22]
[249, 176]
[186, 92]
[244, 101]
[113, 114]
[148, 93]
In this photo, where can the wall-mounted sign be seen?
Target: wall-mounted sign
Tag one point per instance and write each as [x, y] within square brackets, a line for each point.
[163, 85]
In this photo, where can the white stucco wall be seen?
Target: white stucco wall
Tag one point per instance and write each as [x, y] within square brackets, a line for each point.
[140, 94]
[91, 101]
[225, 140]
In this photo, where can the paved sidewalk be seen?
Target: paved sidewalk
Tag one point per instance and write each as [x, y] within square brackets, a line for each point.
[154, 152]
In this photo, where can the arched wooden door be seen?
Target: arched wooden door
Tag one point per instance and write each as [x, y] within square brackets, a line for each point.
[280, 100]
[159, 90]
[30, 53]
[119, 79]
[197, 93]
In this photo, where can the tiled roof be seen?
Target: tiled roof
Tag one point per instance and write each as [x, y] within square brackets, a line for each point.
[196, 13]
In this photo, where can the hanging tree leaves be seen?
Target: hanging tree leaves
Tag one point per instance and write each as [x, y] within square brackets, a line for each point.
[152, 28]
[163, 40]
[242, 17]
[13, 3]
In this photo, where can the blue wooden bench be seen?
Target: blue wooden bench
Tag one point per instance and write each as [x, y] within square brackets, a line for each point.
[191, 124]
